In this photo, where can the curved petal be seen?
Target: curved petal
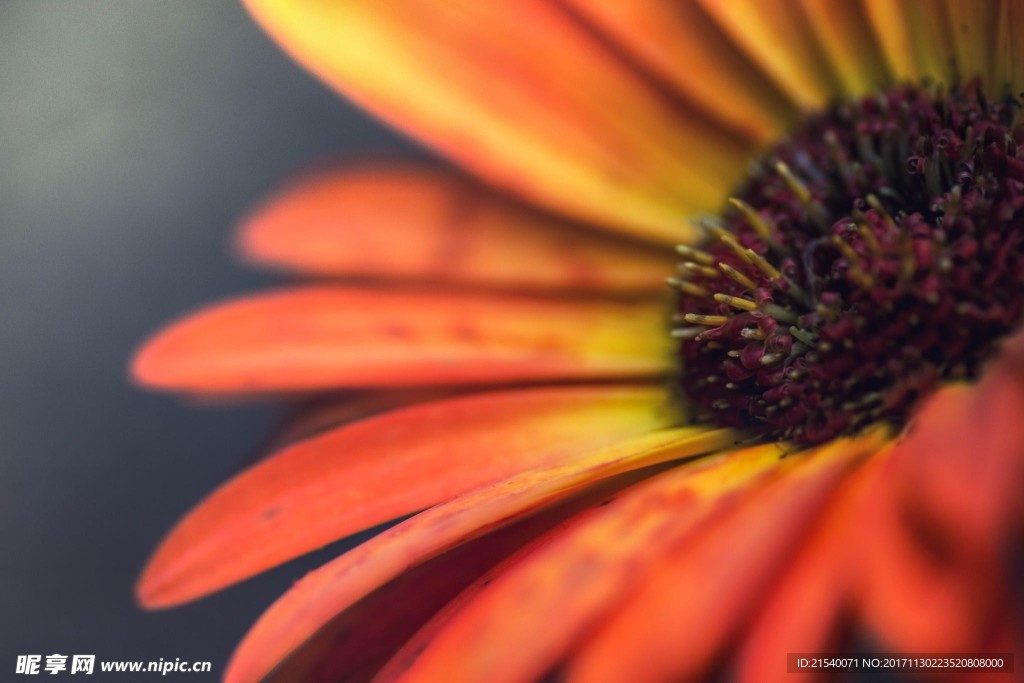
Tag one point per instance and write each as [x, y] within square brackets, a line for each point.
[408, 222]
[524, 96]
[348, 479]
[329, 337]
[680, 43]
[703, 592]
[779, 37]
[808, 609]
[581, 572]
[919, 595]
[941, 518]
[326, 592]
[359, 641]
[962, 466]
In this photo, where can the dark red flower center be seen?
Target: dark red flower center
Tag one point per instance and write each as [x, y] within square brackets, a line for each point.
[868, 257]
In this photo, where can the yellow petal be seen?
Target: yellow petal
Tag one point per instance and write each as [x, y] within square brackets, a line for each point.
[848, 39]
[1008, 58]
[680, 43]
[973, 27]
[523, 95]
[915, 38]
[779, 37]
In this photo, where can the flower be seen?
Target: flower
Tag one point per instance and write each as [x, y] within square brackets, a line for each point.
[839, 458]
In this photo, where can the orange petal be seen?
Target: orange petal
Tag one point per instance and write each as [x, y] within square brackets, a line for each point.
[693, 601]
[525, 96]
[355, 477]
[919, 595]
[328, 337]
[323, 413]
[779, 37]
[679, 42]
[420, 223]
[942, 518]
[407, 655]
[961, 469]
[354, 645]
[807, 608]
[326, 592]
[562, 588]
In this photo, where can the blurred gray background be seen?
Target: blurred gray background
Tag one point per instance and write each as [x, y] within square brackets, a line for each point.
[133, 135]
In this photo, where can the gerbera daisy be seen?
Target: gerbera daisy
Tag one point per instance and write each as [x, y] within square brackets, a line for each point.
[812, 441]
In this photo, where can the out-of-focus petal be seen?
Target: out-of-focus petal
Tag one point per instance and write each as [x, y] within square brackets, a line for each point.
[915, 37]
[581, 572]
[359, 641]
[406, 222]
[918, 594]
[329, 337]
[940, 518]
[323, 413]
[846, 36]
[327, 487]
[697, 598]
[524, 95]
[973, 26]
[807, 609]
[1008, 49]
[779, 37]
[680, 43]
[329, 590]
[961, 468]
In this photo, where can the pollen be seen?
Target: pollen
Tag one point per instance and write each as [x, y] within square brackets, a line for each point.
[869, 257]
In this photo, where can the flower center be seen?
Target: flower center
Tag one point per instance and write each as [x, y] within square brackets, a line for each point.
[868, 257]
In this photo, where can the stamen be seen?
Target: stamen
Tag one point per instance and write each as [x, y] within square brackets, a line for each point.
[762, 264]
[710, 320]
[780, 314]
[687, 287]
[730, 241]
[685, 332]
[870, 240]
[763, 230]
[798, 188]
[697, 269]
[736, 302]
[753, 333]
[857, 271]
[737, 277]
[870, 255]
[876, 204]
[695, 255]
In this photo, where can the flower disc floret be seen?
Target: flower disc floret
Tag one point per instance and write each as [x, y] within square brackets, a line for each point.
[869, 257]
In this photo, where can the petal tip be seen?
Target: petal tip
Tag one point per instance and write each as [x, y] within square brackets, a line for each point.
[153, 365]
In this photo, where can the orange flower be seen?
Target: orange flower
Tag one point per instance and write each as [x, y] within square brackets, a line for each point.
[839, 456]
